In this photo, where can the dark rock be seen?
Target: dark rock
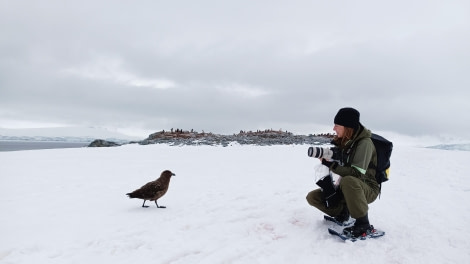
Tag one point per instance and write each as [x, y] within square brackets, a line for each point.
[259, 138]
[103, 143]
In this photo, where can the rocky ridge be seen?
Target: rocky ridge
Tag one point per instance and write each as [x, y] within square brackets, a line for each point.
[267, 137]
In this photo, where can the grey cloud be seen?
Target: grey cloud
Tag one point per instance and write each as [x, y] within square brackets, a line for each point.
[229, 66]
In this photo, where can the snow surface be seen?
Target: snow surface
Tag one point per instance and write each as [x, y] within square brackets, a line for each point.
[237, 204]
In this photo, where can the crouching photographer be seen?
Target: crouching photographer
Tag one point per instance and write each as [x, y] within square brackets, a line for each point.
[354, 159]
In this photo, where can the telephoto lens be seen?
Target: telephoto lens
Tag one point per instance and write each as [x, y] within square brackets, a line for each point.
[317, 152]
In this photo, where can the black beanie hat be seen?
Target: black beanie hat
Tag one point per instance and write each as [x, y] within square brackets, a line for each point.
[347, 117]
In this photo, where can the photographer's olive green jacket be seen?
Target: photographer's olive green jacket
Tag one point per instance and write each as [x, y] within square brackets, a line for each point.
[359, 158]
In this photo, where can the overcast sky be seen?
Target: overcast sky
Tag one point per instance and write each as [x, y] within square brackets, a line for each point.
[223, 66]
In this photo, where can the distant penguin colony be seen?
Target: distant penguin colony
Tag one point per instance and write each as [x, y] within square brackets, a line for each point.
[153, 190]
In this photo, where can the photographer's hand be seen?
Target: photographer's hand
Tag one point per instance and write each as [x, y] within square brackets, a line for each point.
[329, 164]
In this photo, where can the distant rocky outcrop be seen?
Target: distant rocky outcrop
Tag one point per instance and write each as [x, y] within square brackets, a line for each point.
[103, 143]
[260, 137]
[181, 137]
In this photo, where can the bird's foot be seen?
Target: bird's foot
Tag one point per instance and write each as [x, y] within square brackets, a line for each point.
[161, 206]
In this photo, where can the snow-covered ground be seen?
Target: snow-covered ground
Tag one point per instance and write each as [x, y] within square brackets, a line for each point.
[237, 204]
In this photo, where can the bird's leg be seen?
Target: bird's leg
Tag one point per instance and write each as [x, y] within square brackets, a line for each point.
[159, 205]
[143, 205]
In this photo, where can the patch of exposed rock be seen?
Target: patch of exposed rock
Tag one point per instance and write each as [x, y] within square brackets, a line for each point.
[103, 143]
[260, 138]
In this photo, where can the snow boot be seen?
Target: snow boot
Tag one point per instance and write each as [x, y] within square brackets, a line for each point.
[360, 228]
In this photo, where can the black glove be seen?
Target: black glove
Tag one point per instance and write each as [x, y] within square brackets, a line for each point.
[329, 164]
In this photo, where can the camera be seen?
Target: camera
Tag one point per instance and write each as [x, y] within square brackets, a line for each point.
[331, 194]
[325, 153]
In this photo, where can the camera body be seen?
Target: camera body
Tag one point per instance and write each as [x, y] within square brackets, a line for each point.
[332, 153]
[331, 194]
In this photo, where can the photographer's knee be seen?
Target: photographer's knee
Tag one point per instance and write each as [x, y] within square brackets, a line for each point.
[346, 180]
[314, 197]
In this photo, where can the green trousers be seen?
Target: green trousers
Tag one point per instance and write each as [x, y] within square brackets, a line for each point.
[357, 197]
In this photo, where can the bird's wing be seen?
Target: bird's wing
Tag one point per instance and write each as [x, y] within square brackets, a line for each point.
[157, 186]
[148, 190]
[147, 185]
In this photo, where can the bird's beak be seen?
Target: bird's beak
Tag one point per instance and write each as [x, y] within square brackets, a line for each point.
[172, 174]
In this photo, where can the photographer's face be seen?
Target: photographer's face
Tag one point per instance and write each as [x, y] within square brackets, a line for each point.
[339, 130]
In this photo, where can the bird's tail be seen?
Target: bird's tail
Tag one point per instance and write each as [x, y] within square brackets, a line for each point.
[131, 195]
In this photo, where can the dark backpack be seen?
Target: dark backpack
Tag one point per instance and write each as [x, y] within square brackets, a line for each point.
[383, 147]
